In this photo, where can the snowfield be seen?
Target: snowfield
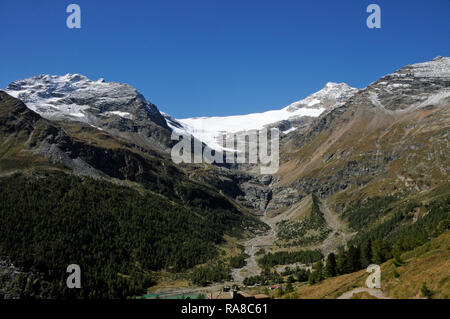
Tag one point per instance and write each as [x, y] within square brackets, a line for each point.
[209, 129]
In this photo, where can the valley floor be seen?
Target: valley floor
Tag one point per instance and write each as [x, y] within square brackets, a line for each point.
[427, 265]
[251, 248]
[338, 236]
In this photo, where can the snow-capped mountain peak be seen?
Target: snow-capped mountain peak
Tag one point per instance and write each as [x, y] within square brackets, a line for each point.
[75, 96]
[403, 91]
[332, 95]
[439, 67]
[115, 107]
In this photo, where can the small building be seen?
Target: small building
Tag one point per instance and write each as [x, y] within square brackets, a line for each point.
[274, 287]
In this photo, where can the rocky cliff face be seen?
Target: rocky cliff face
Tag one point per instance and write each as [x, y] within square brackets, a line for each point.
[249, 190]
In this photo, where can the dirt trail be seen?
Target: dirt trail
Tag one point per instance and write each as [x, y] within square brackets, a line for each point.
[377, 293]
[252, 246]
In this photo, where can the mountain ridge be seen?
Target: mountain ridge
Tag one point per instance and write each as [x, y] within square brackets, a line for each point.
[372, 157]
[114, 107]
[119, 108]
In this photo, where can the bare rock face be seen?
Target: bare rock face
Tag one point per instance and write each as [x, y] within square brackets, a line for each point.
[114, 107]
[249, 190]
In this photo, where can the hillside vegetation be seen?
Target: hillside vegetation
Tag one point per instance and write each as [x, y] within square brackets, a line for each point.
[117, 235]
[427, 265]
[311, 229]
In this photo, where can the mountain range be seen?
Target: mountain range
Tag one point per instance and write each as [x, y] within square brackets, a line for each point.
[355, 165]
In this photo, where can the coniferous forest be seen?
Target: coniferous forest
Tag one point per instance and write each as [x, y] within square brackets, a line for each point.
[116, 234]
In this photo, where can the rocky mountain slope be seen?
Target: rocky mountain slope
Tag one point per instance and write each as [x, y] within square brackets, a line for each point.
[29, 142]
[387, 144]
[392, 134]
[114, 107]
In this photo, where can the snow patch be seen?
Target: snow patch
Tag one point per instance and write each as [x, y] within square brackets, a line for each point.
[292, 129]
[121, 114]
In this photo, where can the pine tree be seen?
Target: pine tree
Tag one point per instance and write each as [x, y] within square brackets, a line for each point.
[366, 253]
[289, 288]
[426, 292]
[340, 262]
[353, 259]
[279, 292]
[331, 267]
[381, 251]
[318, 266]
[317, 273]
[313, 278]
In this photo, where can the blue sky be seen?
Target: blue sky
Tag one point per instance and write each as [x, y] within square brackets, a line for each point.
[211, 57]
